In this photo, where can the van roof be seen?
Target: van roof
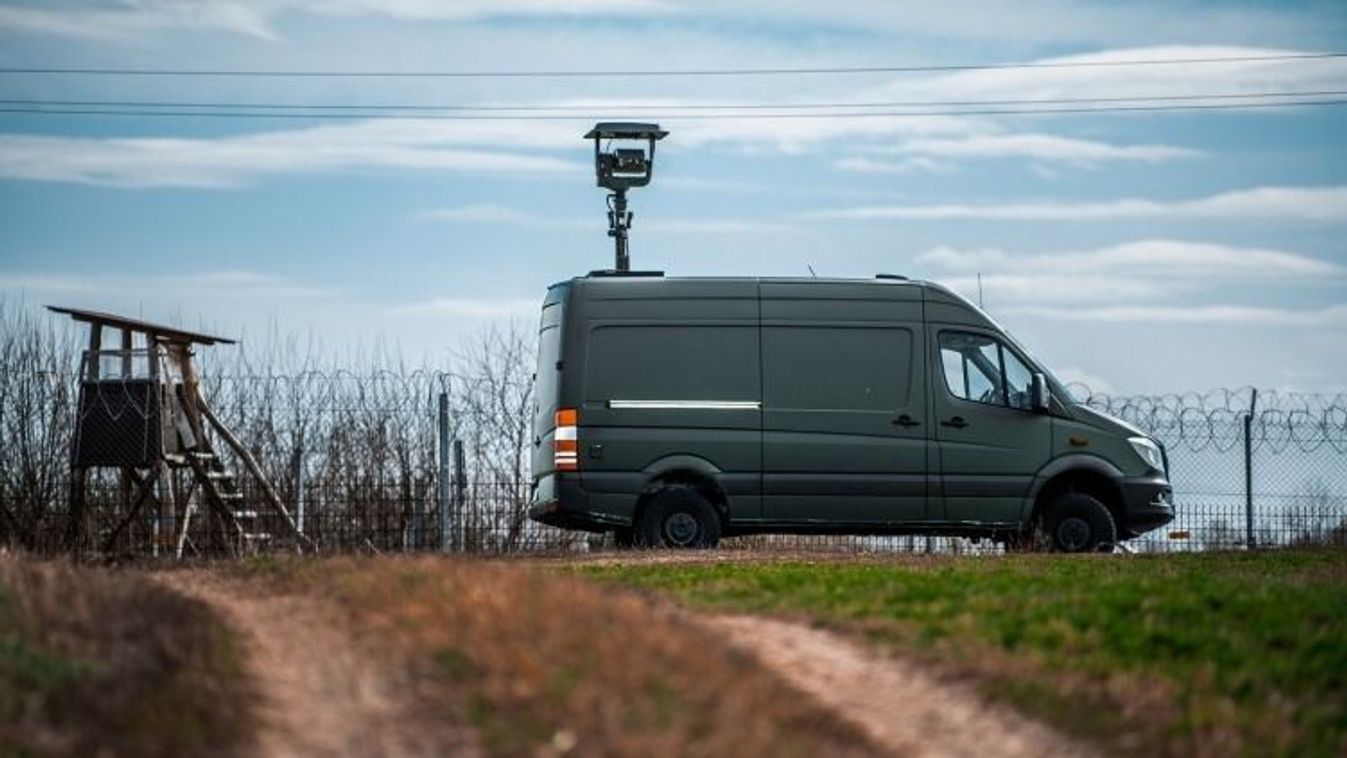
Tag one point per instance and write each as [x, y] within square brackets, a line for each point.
[892, 280]
[610, 275]
[958, 309]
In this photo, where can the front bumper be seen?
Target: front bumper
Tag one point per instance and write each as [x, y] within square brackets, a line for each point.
[1148, 503]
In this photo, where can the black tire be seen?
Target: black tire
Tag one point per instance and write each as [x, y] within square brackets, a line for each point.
[1079, 523]
[677, 516]
[624, 538]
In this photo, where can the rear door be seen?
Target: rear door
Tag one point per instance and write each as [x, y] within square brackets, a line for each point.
[844, 426]
[990, 441]
[547, 381]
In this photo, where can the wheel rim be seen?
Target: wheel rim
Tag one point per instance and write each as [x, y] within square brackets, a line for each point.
[681, 529]
[1073, 534]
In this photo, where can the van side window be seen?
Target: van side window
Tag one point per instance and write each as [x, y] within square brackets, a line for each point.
[981, 369]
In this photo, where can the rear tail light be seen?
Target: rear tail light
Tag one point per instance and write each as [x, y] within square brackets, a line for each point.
[565, 445]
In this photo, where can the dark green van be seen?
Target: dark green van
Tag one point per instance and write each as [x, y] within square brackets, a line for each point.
[675, 411]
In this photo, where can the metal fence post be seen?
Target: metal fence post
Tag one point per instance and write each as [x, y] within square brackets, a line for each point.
[1249, 541]
[299, 485]
[460, 486]
[442, 483]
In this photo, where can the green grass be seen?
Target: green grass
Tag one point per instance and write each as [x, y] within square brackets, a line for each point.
[1228, 653]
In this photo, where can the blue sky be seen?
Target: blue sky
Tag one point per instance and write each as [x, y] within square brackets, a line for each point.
[1139, 252]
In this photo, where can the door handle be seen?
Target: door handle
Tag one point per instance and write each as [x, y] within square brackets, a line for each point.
[906, 420]
[956, 423]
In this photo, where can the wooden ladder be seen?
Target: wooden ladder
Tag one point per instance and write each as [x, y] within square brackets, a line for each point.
[218, 486]
[221, 492]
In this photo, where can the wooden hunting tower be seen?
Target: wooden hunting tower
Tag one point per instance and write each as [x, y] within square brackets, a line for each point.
[141, 411]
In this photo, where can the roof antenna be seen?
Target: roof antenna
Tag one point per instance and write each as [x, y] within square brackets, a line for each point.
[980, 290]
[811, 270]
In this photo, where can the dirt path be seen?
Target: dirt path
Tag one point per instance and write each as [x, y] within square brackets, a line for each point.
[898, 704]
[321, 694]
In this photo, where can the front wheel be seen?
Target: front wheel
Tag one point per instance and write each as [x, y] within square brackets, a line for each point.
[678, 517]
[1078, 523]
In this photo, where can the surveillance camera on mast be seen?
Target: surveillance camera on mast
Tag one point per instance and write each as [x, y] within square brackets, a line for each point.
[618, 169]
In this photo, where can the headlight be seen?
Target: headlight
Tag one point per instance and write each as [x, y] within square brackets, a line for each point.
[1149, 452]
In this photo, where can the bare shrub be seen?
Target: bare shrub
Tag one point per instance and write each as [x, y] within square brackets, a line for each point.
[493, 393]
[37, 408]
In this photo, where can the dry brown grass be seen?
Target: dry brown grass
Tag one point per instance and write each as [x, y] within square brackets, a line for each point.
[95, 661]
[544, 664]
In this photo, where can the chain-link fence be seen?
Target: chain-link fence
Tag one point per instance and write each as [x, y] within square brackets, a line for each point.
[1249, 467]
[423, 460]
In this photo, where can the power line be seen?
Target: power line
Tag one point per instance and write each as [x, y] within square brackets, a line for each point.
[670, 116]
[522, 108]
[92, 71]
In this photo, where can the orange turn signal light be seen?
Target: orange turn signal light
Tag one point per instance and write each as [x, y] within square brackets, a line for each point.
[565, 443]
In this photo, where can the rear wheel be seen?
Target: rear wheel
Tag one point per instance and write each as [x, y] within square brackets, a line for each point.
[678, 516]
[1079, 523]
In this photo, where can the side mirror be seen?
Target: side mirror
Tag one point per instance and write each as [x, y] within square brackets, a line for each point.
[1038, 393]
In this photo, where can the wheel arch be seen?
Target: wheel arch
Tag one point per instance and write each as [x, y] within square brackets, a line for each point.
[689, 470]
[1079, 473]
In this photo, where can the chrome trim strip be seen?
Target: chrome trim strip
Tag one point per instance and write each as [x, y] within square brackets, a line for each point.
[686, 405]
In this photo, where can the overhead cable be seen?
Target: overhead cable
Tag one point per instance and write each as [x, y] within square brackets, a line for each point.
[608, 73]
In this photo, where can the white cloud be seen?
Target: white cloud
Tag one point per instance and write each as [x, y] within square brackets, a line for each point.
[469, 307]
[1045, 287]
[714, 226]
[462, 10]
[1100, 76]
[1147, 270]
[188, 286]
[495, 214]
[1323, 204]
[480, 213]
[1058, 21]
[235, 161]
[1054, 21]
[794, 136]
[134, 20]
[1333, 316]
[924, 143]
[257, 18]
[1042, 147]
[1159, 257]
[1097, 76]
[904, 166]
